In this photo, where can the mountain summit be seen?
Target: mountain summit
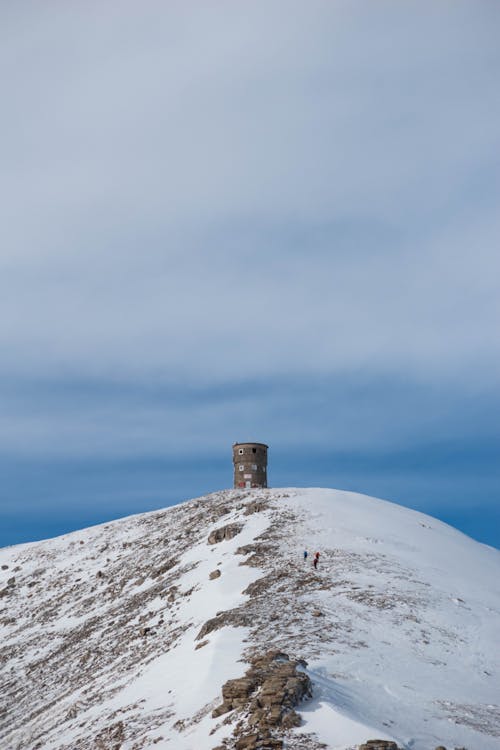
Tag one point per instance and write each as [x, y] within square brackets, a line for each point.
[202, 626]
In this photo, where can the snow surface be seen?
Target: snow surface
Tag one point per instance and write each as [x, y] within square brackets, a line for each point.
[399, 625]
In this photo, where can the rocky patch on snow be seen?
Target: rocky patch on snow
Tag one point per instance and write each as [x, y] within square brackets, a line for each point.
[265, 698]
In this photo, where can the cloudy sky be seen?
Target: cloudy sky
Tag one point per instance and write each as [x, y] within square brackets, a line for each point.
[231, 221]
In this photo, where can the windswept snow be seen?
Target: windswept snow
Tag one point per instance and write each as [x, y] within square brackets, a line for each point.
[100, 629]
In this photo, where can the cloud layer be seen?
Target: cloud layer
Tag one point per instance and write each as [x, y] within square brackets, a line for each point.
[309, 191]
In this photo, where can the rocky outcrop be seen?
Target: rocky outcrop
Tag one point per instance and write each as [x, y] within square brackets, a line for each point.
[379, 745]
[214, 574]
[255, 507]
[267, 696]
[224, 532]
[110, 738]
[232, 617]
[259, 553]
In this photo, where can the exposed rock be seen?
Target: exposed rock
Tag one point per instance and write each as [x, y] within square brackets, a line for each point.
[258, 742]
[214, 574]
[213, 624]
[379, 745]
[110, 738]
[224, 532]
[245, 549]
[167, 565]
[266, 695]
[73, 711]
[317, 613]
[200, 645]
[233, 617]
[258, 551]
[224, 708]
[5, 567]
[255, 507]
[247, 743]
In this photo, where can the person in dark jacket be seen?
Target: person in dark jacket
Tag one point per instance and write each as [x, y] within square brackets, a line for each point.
[316, 560]
[305, 554]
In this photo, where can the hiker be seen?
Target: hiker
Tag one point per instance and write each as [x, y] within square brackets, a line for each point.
[316, 560]
[305, 554]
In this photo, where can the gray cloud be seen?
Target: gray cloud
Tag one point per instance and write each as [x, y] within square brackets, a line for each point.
[207, 194]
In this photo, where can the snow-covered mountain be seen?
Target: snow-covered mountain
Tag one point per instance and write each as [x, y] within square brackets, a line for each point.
[202, 626]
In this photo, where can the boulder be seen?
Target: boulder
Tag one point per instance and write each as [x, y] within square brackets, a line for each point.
[379, 745]
[215, 574]
[224, 532]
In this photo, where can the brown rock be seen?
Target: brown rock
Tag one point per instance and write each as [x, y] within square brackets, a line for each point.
[224, 532]
[222, 709]
[266, 697]
[214, 574]
[379, 745]
[110, 738]
[249, 742]
[210, 625]
[255, 507]
[291, 719]
[166, 566]
[237, 691]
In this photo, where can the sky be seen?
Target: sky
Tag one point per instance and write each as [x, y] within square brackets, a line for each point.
[248, 221]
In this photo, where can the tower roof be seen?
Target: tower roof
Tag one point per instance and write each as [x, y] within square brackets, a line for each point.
[251, 442]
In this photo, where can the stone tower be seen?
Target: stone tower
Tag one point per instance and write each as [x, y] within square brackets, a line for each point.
[250, 464]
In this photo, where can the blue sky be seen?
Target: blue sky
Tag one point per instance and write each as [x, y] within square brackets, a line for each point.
[226, 222]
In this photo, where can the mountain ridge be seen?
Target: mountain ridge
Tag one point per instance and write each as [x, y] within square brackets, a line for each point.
[126, 635]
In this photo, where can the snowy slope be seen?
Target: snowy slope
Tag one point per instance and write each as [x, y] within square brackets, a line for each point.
[100, 643]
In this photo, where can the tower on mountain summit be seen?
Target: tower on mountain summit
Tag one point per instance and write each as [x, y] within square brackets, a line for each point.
[250, 464]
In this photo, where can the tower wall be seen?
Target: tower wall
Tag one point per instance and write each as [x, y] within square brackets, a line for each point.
[250, 464]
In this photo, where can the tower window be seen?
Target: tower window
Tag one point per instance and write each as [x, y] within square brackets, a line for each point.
[240, 451]
[254, 450]
[241, 467]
